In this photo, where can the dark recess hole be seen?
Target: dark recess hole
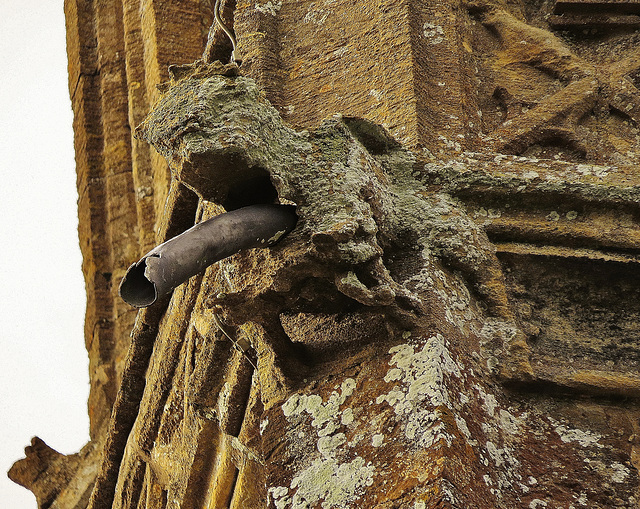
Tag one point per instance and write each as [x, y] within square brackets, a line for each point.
[253, 191]
[372, 136]
[232, 488]
[136, 289]
[635, 78]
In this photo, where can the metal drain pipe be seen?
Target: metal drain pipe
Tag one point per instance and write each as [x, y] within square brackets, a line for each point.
[172, 263]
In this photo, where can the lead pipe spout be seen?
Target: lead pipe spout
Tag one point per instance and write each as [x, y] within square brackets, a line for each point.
[172, 263]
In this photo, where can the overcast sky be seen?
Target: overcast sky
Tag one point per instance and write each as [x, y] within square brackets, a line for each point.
[43, 364]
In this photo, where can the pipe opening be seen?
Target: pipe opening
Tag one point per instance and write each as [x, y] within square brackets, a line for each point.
[135, 288]
[256, 190]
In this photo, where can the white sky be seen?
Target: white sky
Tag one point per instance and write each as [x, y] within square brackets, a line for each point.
[43, 363]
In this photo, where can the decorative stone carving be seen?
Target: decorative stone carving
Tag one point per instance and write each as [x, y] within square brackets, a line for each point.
[453, 323]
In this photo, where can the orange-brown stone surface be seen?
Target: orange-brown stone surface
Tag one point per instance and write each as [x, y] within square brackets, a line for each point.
[453, 322]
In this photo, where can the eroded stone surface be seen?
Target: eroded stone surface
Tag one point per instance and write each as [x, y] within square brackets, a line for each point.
[491, 236]
[430, 414]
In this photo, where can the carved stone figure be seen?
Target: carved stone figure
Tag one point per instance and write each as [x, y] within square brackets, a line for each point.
[452, 322]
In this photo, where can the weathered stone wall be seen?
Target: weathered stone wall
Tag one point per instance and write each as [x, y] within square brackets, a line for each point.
[453, 322]
[118, 53]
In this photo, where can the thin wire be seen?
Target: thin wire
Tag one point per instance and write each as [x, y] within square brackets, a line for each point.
[235, 343]
[226, 30]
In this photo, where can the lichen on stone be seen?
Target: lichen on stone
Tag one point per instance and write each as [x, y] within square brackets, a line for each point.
[585, 438]
[329, 478]
[420, 376]
[325, 481]
[269, 7]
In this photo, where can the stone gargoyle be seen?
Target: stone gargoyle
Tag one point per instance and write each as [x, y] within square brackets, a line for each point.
[367, 226]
